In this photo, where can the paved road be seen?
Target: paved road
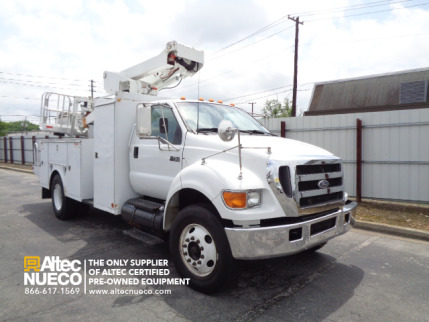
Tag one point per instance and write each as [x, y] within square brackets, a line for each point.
[357, 277]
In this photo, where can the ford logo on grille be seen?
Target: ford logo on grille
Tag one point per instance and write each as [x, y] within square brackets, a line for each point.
[323, 184]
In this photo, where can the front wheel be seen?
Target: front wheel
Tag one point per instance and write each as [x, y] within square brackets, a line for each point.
[200, 250]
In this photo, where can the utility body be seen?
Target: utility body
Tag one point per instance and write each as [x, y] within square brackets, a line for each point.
[205, 176]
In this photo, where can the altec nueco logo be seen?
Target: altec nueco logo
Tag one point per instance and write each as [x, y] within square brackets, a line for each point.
[52, 271]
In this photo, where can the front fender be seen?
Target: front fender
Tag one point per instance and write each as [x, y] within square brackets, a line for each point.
[210, 179]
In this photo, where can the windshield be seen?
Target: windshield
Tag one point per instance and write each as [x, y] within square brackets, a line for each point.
[208, 116]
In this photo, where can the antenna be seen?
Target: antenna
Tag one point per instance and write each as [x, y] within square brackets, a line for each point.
[198, 106]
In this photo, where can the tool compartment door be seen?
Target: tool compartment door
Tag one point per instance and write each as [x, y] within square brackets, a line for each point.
[104, 161]
[79, 172]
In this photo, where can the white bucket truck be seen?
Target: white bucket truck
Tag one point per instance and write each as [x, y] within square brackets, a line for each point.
[206, 176]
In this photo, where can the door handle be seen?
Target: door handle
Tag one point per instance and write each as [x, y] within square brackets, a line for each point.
[136, 152]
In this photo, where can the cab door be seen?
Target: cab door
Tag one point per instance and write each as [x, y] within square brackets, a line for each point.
[156, 151]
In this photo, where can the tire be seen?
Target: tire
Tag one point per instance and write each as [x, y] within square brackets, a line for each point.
[64, 208]
[200, 250]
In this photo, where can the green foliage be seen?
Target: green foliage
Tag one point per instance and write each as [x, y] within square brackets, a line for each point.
[3, 131]
[18, 126]
[273, 108]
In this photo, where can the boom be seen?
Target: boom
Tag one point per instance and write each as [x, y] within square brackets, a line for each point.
[174, 63]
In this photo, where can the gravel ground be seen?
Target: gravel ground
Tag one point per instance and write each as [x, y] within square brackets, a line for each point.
[17, 166]
[395, 214]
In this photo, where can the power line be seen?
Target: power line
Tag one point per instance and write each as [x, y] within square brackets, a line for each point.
[316, 12]
[43, 86]
[59, 84]
[285, 91]
[269, 26]
[269, 90]
[369, 13]
[25, 98]
[251, 44]
[278, 51]
[369, 5]
[370, 39]
[38, 76]
[35, 82]
[350, 8]
[265, 96]
[19, 115]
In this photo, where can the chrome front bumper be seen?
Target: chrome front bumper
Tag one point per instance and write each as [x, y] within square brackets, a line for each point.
[266, 242]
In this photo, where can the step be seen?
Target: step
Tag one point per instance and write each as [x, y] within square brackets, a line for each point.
[143, 237]
[88, 202]
[146, 205]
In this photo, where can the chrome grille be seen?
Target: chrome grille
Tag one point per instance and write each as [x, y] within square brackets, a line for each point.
[318, 168]
[319, 184]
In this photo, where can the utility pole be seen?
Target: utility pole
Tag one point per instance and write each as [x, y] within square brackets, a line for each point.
[295, 72]
[92, 89]
[252, 106]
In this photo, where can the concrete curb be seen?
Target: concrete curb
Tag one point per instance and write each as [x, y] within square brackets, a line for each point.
[16, 169]
[392, 230]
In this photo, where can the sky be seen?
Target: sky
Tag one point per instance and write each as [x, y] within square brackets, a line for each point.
[59, 46]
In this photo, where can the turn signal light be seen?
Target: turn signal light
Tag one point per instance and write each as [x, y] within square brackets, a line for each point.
[236, 200]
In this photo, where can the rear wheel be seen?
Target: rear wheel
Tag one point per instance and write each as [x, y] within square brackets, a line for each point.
[200, 250]
[64, 208]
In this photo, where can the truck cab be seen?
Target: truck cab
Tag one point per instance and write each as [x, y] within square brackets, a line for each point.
[270, 196]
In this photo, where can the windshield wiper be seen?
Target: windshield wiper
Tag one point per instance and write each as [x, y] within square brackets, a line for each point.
[211, 129]
[255, 132]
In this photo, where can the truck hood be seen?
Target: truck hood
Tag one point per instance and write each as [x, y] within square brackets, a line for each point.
[282, 148]
[255, 147]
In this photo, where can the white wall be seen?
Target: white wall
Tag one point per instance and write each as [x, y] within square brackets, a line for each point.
[395, 148]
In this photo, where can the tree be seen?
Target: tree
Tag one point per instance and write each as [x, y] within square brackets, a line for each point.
[273, 108]
[3, 129]
[18, 126]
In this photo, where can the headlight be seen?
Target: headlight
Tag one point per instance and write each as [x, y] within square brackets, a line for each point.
[242, 199]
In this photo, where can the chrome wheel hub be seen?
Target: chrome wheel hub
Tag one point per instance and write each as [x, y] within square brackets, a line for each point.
[198, 250]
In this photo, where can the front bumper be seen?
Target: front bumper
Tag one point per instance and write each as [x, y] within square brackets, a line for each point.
[275, 241]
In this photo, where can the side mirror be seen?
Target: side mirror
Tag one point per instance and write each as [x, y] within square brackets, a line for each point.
[226, 131]
[144, 121]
